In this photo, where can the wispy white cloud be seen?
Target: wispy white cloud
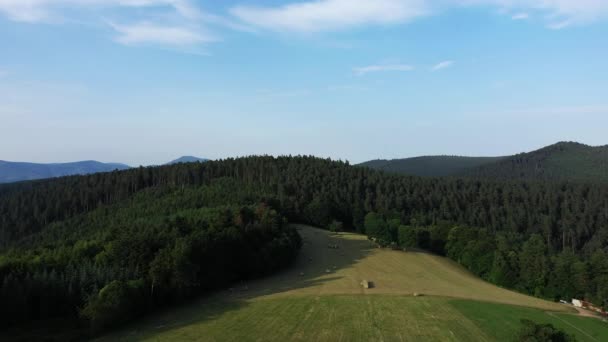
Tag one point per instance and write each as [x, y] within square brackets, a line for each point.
[226, 22]
[346, 87]
[44, 10]
[558, 25]
[360, 71]
[181, 23]
[442, 65]
[149, 33]
[520, 16]
[557, 14]
[330, 15]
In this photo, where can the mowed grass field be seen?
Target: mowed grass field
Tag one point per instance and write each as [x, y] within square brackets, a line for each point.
[320, 299]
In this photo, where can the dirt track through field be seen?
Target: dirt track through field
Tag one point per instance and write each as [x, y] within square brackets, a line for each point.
[573, 326]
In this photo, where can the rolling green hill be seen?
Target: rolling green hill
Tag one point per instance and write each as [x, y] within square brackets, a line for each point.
[430, 166]
[81, 254]
[564, 161]
[320, 299]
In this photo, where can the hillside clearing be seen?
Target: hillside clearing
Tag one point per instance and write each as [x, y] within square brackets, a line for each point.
[305, 303]
[393, 272]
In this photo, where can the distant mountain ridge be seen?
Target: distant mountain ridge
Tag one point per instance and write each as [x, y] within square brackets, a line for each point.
[562, 161]
[11, 172]
[430, 166]
[187, 159]
[570, 161]
[21, 171]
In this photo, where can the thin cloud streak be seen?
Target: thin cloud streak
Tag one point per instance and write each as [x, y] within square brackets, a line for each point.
[44, 10]
[321, 15]
[180, 26]
[334, 15]
[184, 23]
[443, 65]
[330, 15]
[560, 24]
[520, 16]
[361, 71]
[557, 14]
[148, 33]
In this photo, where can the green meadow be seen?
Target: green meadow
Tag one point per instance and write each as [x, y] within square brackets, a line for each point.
[416, 297]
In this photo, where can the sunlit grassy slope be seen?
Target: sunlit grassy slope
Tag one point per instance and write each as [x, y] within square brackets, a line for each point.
[320, 299]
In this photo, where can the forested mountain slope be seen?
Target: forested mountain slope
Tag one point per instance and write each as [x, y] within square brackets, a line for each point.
[89, 272]
[430, 166]
[187, 159]
[16, 171]
[562, 161]
[137, 229]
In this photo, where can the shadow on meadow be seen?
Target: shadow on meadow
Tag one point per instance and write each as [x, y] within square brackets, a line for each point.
[323, 254]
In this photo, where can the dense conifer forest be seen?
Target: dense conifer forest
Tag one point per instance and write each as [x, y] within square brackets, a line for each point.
[90, 251]
[564, 161]
[559, 162]
[431, 166]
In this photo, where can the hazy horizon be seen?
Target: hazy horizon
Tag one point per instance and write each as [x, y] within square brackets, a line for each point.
[162, 162]
[144, 82]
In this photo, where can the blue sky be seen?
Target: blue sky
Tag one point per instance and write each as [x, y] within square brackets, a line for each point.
[145, 81]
